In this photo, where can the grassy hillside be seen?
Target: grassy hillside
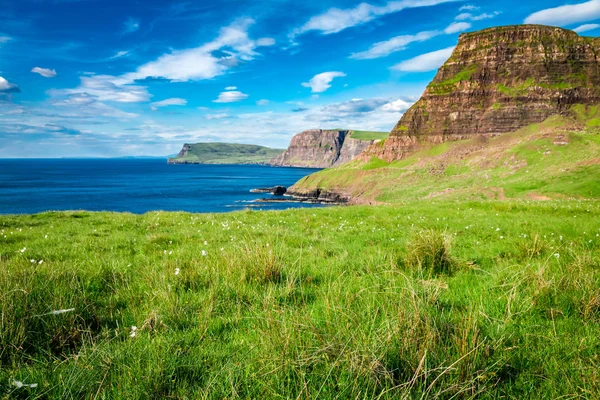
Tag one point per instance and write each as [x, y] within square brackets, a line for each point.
[555, 159]
[369, 135]
[425, 300]
[227, 153]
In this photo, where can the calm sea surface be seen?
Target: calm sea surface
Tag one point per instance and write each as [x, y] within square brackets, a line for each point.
[137, 185]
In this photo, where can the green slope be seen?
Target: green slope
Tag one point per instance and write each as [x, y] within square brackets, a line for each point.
[369, 135]
[555, 159]
[226, 153]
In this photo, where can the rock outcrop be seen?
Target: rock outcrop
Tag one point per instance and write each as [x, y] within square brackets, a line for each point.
[320, 148]
[499, 80]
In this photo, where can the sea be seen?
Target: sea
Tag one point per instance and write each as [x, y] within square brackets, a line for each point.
[138, 185]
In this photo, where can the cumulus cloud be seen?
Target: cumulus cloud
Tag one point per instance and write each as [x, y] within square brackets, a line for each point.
[7, 87]
[456, 27]
[231, 97]
[174, 101]
[262, 102]
[321, 82]
[382, 49]
[586, 27]
[109, 88]
[335, 19]
[215, 58]
[396, 106]
[425, 62]
[45, 72]
[131, 25]
[567, 14]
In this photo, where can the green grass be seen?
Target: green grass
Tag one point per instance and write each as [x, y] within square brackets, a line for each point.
[452, 299]
[369, 135]
[227, 153]
[522, 164]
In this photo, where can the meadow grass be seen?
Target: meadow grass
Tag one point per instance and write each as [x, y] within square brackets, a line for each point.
[428, 299]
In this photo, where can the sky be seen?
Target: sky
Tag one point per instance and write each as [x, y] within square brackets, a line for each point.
[110, 78]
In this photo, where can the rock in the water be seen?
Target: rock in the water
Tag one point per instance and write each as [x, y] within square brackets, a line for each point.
[279, 190]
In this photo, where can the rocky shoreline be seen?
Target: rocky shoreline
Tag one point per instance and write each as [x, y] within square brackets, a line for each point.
[316, 196]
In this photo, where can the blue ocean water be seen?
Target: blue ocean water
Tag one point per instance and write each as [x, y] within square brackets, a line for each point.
[137, 185]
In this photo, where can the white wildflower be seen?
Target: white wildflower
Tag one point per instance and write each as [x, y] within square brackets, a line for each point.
[41, 262]
[556, 255]
[19, 384]
[204, 253]
[23, 249]
[133, 331]
[177, 270]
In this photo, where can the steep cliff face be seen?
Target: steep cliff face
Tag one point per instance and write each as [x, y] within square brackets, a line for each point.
[499, 80]
[321, 149]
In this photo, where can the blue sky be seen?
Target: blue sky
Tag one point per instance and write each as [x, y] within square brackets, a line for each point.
[102, 78]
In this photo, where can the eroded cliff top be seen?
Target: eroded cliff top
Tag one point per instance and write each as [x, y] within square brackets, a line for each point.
[500, 79]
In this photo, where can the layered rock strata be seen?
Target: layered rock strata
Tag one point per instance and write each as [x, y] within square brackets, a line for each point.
[498, 80]
[320, 148]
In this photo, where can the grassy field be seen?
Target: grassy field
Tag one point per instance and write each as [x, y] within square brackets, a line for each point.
[227, 153]
[558, 158]
[428, 299]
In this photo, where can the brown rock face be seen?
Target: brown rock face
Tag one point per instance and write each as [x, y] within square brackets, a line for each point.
[499, 80]
[321, 149]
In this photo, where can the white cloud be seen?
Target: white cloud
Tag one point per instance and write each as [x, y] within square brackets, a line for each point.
[425, 62]
[398, 43]
[216, 116]
[4, 39]
[231, 97]
[7, 87]
[456, 27]
[131, 25]
[586, 27]
[382, 49]
[45, 72]
[203, 62]
[468, 7]
[321, 82]
[231, 88]
[396, 106]
[469, 16]
[265, 42]
[120, 54]
[109, 88]
[568, 14]
[174, 101]
[335, 19]
[263, 102]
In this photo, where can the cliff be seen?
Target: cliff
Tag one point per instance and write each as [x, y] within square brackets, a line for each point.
[319, 148]
[499, 80]
[224, 153]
